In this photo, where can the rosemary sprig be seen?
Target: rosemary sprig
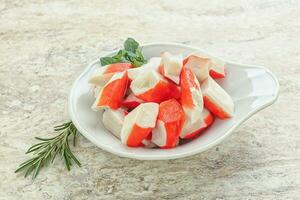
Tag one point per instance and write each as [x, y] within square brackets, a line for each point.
[46, 151]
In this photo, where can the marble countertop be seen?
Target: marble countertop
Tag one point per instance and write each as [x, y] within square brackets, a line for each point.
[46, 44]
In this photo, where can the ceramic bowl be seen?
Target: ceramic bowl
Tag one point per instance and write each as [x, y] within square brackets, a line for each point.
[251, 87]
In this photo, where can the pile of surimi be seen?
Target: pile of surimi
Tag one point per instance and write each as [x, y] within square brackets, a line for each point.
[168, 99]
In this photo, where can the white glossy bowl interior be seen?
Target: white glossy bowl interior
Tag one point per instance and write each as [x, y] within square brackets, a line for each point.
[251, 87]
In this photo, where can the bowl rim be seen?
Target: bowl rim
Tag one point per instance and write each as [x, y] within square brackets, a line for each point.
[177, 155]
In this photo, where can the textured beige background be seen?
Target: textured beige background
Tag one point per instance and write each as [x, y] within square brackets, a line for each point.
[44, 46]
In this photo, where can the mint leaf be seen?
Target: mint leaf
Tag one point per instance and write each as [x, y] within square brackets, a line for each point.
[131, 45]
[131, 53]
[107, 60]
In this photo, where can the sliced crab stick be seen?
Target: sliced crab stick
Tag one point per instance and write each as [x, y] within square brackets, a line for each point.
[131, 101]
[113, 120]
[191, 95]
[152, 64]
[169, 124]
[112, 94]
[199, 66]
[152, 87]
[191, 130]
[171, 66]
[139, 123]
[217, 69]
[216, 99]
[217, 65]
[103, 74]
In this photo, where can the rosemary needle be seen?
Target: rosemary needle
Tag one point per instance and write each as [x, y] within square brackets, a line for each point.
[46, 151]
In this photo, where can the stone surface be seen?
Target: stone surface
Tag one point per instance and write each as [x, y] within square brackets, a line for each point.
[44, 46]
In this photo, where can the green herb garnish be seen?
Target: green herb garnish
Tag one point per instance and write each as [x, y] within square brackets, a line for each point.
[131, 53]
[46, 151]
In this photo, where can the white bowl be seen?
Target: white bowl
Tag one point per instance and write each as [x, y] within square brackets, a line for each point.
[251, 87]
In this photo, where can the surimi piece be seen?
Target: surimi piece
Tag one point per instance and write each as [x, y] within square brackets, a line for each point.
[199, 65]
[191, 130]
[169, 124]
[217, 65]
[139, 123]
[103, 74]
[113, 120]
[131, 101]
[191, 95]
[112, 94]
[217, 68]
[152, 87]
[171, 66]
[216, 99]
[152, 64]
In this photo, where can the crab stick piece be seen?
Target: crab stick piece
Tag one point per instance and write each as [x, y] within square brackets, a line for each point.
[103, 74]
[139, 123]
[152, 87]
[191, 130]
[171, 66]
[217, 65]
[199, 65]
[217, 68]
[216, 99]
[169, 124]
[191, 95]
[152, 64]
[112, 94]
[113, 120]
[131, 101]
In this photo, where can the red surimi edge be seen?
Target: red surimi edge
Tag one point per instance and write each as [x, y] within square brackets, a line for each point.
[208, 121]
[118, 67]
[214, 108]
[137, 135]
[187, 81]
[215, 75]
[113, 93]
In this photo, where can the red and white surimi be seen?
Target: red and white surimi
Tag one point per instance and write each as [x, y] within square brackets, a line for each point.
[103, 74]
[199, 65]
[217, 65]
[171, 66]
[191, 95]
[152, 64]
[216, 99]
[152, 87]
[113, 92]
[131, 101]
[139, 123]
[113, 120]
[192, 129]
[169, 124]
[217, 68]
